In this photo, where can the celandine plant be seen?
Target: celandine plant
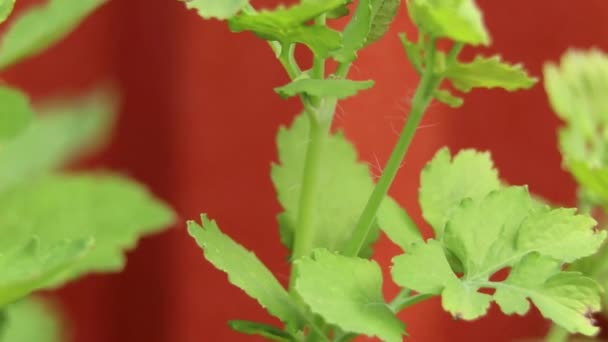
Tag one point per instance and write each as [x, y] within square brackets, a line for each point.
[57, 226]
[333, 211]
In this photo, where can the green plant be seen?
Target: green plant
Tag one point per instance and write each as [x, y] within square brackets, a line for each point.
[576, 89]
[333, 211]
[57, 225]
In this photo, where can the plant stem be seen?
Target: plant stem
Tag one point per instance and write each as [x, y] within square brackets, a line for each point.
[424, 94]
[557, 334]
[402, 302]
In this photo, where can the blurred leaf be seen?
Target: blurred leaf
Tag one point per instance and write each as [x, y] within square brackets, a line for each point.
[218, 9]
[355, 33]
[337, 88]
[64, 130]
[383, 14]
[267, 331]
[446, 97]
[41, 26]
[347, 292]
[459, 20]
[31, 320]
[15, 113]
[489, 73]
[6, 7]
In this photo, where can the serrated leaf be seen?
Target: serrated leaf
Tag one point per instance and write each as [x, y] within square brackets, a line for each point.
[383, 14]
[338, 88]
[15, 112]
[489, 73]
[347, 292]
[6, 7]
[332, 208]
[31, 320]
[289, 25]
[65, 129]
[244, 269]
[446, 97]
[445, 182]
[507, 228]
[112, 210]
[42, 26]
[267, 331]
[459, 20]
[576, 90]
[218, 9]
[355, 33]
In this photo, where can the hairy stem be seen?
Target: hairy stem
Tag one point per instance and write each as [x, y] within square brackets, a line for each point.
[424, 94]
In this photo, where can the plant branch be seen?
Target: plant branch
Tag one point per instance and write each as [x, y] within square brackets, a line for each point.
[402, 302]
[423, 97]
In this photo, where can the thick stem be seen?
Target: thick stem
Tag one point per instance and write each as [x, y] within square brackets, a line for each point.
[420, 103]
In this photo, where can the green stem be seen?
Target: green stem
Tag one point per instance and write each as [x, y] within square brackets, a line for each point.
[288, 61]
[557, 334]
[403, 302]
[423, 97]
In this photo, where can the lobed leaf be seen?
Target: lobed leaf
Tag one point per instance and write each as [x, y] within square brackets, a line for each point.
[218, 9]
[42, 26]
[459, 20]
[347, 292]
[244, 269]
[489, 73]
[337, 88]
[15, 113]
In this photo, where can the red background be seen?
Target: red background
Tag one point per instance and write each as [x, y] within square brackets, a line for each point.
[198, 123]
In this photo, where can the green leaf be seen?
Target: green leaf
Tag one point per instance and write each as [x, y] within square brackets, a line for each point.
[397, 224]
[15, 113]
[489, 73]
[508, 229]
[63, 131]
[337, 88]
[218, 9]
[339, 12]
[446, 97]
[42, 26]
[289, 25]
[267, 331]
[459, 20]
[383, 14]
[29, 265]
[414, 54]
[332, 208]
[576, 90]
[347, 292]
[112, 210]
[244, 269]
[6, 7]
[356, 32]
[31, 320]
[445, 182]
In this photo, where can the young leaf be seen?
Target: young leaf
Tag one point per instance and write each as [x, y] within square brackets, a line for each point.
[337, 88]
[15, 113]
[383, 14]
[41, 26]
[244, 269]
[356, 32]
[31, 320]
[332, 209]
[445, 182]
[446, 97]
[459, 20]
[267, 331]
[505, 229]
[6, 7]
[218, 9]
[489, 73]
[111, 209]
[63, 131]
[347, 292]
[414, 54]
[288, 25]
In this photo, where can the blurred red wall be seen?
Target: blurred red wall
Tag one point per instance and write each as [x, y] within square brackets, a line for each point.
[198, 123]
